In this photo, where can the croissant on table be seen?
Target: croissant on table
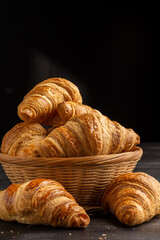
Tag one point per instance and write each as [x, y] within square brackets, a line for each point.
[39, 105]
[133, 197]
[85, 135]
[41, 201]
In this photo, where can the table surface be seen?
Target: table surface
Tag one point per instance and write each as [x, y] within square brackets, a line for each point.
[102, 225]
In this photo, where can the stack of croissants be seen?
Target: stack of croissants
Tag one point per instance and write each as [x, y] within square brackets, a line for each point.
[73, 130]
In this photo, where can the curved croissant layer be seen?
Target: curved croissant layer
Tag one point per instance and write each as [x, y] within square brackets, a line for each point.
[40, 104]
[41, 201]
[116, 138]
[87, 134]
[68, 109]
[21, 136]
[133, 197]
[80, 136]
[126, 137]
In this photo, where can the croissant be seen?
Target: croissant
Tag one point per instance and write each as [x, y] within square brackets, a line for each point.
[20, 137]
[133, 197]
[41, 201]
[67, 110]
[40, 104]
[86, 134]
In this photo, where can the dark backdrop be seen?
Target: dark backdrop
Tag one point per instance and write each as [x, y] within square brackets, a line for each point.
[108, 52]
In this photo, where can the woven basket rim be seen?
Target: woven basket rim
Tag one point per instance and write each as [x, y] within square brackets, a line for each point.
[132, 155]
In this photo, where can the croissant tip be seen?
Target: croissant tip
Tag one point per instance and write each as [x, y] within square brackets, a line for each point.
[81, 221]
[138, 139]
[129, 217]
[27, 112]
[85, 220]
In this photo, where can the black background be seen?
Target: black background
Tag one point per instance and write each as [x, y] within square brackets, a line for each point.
[108, 52]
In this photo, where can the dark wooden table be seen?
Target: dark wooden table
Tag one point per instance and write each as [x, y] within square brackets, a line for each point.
[102, 226]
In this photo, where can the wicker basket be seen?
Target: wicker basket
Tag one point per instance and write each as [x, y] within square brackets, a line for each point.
[84, 177]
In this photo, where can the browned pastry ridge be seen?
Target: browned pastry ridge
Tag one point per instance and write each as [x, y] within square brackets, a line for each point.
[68, 109]
[22, 135]
[133, 197]
[41, 201]
[39, 105]
[85, 135]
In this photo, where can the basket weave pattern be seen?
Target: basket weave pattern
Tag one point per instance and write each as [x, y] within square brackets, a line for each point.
[85, 178]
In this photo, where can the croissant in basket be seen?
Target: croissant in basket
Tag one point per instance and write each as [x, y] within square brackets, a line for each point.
[68, 109]
[83, 135]
[82, 130]
[86, 135]
[41, 201]
[21, 136]
[133, 197]
[39, 105]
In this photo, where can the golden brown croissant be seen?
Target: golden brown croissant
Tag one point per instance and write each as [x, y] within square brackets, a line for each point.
[40, 104]
[68, 109]
[41, 201]
[133, 197]
[20, 137]
[86, 134]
